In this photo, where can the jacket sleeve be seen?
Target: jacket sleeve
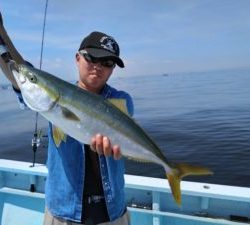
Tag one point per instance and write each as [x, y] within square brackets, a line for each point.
[22, 104]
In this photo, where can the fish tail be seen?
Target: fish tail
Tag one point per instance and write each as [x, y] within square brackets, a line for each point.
[178, 172]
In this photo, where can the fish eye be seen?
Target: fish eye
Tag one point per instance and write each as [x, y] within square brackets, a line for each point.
[33, 79]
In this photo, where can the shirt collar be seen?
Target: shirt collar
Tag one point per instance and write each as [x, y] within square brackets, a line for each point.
[106, 91]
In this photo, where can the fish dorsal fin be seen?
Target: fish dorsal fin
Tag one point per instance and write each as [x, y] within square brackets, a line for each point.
[58, 135]
[69, 114]
[120, 103]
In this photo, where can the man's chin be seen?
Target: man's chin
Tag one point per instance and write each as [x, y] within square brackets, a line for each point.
[94, 75]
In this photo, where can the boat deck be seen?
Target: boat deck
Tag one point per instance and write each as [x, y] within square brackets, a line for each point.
[149, 200]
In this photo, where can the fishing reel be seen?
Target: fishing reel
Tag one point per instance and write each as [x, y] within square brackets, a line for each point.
[35, 143]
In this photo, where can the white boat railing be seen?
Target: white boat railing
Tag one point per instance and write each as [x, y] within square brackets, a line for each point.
[149, 199]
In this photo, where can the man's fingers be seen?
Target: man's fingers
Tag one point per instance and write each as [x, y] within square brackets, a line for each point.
[117, 152]
[106, 146]
[99, 144]
[93, 144]
[102, 145]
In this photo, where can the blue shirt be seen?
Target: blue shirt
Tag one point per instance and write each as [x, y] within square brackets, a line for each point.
[66, 167]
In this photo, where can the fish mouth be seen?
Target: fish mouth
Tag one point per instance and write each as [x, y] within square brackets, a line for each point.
[20, 79]
[13, 66]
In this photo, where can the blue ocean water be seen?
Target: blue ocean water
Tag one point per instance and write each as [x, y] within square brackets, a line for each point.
[200, 118]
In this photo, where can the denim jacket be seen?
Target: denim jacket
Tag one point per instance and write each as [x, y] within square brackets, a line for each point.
[66, 166]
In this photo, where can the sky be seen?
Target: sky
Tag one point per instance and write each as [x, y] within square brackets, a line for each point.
[155, 36]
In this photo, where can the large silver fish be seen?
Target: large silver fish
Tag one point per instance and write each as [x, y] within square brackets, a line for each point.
[81, 115]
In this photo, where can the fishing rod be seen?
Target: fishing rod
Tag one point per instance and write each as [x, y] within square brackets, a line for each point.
[36, 141]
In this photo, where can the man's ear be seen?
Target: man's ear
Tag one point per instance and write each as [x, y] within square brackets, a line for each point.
[77, 56]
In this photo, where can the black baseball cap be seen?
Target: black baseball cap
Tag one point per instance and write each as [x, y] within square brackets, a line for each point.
[100, 45]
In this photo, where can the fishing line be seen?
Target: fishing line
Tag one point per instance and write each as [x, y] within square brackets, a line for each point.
[44, 24]
[36, 138]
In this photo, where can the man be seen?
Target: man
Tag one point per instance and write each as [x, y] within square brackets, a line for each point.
[83, 186]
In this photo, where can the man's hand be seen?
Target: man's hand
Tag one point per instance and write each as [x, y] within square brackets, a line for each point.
[102, 145]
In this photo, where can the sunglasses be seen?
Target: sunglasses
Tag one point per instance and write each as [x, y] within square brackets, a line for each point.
[89, 58]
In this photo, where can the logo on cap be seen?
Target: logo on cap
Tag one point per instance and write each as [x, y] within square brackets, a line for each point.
[109, 44]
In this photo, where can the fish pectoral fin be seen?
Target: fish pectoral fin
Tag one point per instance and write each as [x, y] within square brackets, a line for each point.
[120, 103]
[58, 135]
[178, 172]
[69, 114]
